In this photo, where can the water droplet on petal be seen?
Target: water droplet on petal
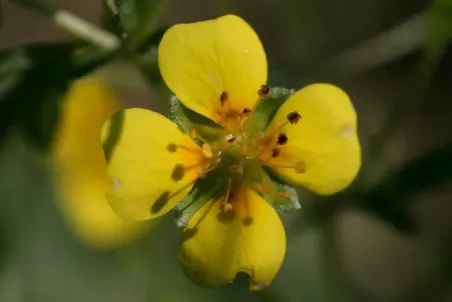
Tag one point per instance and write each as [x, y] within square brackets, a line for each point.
[346, 130]
[116, 183]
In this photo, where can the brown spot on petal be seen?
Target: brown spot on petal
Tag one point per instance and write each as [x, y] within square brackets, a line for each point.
[248, 221]
[160, 202]
[300, 167]
[178, 172]
[226, 216]
[224, 97]
[346, 130]
[172, 148]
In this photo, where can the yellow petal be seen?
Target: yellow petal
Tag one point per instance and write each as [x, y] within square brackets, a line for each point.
[81, 170]
[323, 144]
[201, 61]
[250, 238]
[153, 165]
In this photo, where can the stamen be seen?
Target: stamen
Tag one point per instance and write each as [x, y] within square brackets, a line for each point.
[194, 134]
[246, 112]
[226, 206]
[268, 137]
[224, 97]
[264, 91]
[282, 139]
[203, 167]
[291, 118]
[173, 148]
[299, 167]
[230, 138]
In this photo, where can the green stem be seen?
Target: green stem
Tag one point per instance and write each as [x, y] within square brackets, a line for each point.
[73, 24]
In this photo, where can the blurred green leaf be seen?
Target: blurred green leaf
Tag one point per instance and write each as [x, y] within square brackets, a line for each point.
[3, 246]
[139, 19]
[439, 25]
[319, 212]
[439, 34]
[33, 80]
[148, 62]
[110, 18]
[86, 58]
[13, 63]
[397, 217]
[33, 105]
[403, 183]
[390, 197]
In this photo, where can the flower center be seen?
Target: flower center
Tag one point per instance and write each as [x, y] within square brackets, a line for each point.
[232, 118]
[237, 157]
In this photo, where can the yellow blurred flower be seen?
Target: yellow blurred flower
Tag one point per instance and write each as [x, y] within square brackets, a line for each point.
[218, 69]
[81, 170]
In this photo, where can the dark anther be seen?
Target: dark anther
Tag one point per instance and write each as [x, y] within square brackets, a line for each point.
[160, 202]
[275, 152]
[282, 139]
[293, 117]
[172, 148]
[224, 97]
[230, 138]
[264, 91]
[246, 112]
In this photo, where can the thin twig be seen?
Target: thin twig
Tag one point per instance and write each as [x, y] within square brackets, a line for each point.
[73, 24]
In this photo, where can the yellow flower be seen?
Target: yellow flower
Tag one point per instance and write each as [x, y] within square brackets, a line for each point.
[217, 68]
[81, 170]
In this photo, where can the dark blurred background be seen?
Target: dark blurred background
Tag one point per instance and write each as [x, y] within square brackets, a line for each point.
[393, 244]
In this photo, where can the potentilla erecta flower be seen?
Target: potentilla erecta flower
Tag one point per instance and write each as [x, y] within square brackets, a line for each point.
[218, 70]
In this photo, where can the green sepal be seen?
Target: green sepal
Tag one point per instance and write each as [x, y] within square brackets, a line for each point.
[205, 189]
[280, 204]
[187, 119]
[266, 109]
